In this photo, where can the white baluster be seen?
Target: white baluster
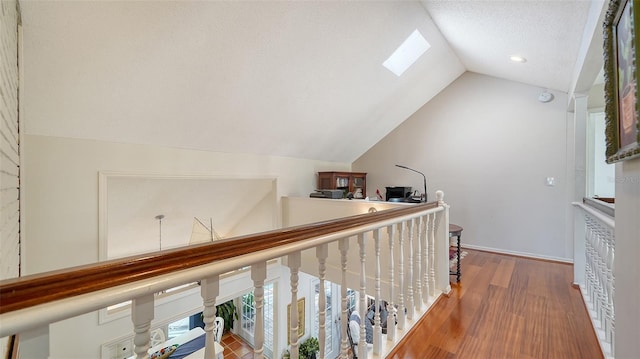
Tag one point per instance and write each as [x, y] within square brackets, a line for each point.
[605, 277]
[294, 267]
[588, 265]
[592, 264]
[343, 246]
[600, 270]
[141, 316]
[410, 306]
[424, 234]
[362, 344]
[258, 275]
[391, 308]
[209, 290]
[377, 327]
[401, 285]
[596, 270]
[322, 252]
[610, 280]
[599, 281]
[431, 261]
[418, 267]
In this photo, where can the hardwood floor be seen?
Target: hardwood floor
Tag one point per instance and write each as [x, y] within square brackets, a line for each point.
[505, 307]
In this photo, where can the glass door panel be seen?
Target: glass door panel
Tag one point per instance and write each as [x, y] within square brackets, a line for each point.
[332, 344]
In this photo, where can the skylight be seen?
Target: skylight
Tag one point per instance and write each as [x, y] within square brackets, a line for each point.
[406, 54]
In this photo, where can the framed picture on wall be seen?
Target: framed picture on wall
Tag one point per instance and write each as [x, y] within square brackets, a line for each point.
[301, 320]
[621, 81]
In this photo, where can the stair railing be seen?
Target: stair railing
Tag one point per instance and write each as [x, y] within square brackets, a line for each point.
[594, 258]
[420, 230]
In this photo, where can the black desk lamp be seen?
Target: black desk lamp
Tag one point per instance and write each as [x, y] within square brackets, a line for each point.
[423, 176]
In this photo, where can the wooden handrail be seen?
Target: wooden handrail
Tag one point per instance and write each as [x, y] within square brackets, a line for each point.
[42, 288]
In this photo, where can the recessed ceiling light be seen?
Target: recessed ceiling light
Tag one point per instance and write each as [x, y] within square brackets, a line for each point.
[518, 58]
[406, 54]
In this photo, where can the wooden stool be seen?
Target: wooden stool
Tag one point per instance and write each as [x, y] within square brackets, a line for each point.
[456, 231]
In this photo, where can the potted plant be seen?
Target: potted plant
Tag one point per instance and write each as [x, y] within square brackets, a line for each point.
[309, 348]
[227, 311]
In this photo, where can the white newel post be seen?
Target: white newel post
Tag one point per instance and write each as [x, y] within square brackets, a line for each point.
[322, 252]
[579, 247]
[258, 275]
[142, 315]
[343, 246]
[209, 290]
[377, 327]
[391, 308]
[294, 267]
[410, 305]
[362, 344]
[442, 245]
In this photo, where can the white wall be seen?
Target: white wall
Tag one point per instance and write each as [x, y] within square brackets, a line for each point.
[61, 194]
[9, 147]
[9, 142]
[130, 205]
[489, 145]
[61, 185]
[627, 267]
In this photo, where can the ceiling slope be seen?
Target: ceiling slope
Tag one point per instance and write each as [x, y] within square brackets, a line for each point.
[297, 79]
[484, 34]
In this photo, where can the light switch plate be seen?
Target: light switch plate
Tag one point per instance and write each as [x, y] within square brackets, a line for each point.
[550, 181]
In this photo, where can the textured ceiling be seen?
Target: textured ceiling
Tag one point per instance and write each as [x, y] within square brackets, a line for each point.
[484, 34]
[297, 78]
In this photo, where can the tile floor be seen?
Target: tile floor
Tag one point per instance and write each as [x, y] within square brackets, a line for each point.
[235, 347]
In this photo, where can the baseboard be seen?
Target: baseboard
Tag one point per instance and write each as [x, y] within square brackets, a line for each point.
[516, 253]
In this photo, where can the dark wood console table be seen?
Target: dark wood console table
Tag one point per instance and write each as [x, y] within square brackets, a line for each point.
[456, 231]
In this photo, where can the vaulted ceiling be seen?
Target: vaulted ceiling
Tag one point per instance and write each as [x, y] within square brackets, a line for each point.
[289, 78]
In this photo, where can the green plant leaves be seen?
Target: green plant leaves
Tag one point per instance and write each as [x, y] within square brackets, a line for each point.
[227, 311]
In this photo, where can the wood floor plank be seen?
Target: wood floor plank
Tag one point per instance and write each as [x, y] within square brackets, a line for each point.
[505, 307]
[502, 277]
[472, 344]
[470, 274]
[502, 342]
[536, 342]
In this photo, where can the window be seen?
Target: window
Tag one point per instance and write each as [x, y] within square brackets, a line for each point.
[248, 318]
[178, 327]
[600, 175]
[328, 315]
[268, 319]
[407, 53]
[352, 299]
